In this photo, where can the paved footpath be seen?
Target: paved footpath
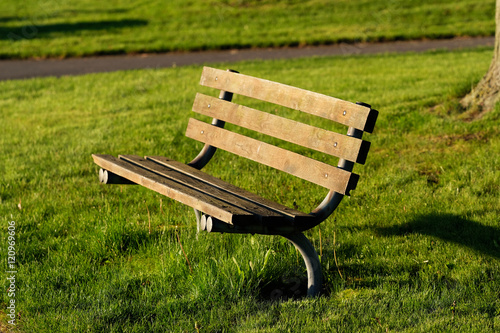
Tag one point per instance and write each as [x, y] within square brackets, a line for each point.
[22, 69]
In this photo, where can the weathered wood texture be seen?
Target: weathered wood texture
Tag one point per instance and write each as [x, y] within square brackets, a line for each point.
[236, 191]
[198, 190]
[340, 111]
[172, 189]
[328, 142]
[295, 164]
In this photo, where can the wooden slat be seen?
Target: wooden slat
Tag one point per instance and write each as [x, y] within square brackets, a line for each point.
[202, 202]
[295, 164]
[328, 107]
[328, 142]
[215, 182]
[262, 213]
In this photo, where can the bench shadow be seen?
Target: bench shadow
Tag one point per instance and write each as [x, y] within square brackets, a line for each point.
[448, 227]
[292, 287]
[451, 228]
[45, 30]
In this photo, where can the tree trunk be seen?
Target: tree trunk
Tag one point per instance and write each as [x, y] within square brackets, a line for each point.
[483, 97]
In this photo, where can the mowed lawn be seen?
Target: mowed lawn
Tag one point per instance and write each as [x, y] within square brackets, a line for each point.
[55, 28]
[415, 248]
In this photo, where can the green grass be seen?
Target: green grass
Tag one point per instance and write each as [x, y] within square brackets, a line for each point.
[417, 244]
[53, 28]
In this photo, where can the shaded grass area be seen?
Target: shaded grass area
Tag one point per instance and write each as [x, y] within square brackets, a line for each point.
[416, 245]
[54, 28]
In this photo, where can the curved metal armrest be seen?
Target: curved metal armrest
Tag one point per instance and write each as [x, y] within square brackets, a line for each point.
[327, 206]
[333, 199]
[208, 151]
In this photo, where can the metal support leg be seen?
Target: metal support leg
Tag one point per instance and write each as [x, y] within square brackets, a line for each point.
[311, 259]
[309, 254]
[198, 220]
[201, 221]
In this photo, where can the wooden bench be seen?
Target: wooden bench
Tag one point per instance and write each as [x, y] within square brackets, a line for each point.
[222, 207]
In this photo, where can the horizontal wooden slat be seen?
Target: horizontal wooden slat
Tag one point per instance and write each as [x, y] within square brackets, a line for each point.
[328, 142]
[202, 202]
[262, 213]
[295, 164]
[343, 112]
[215, 182]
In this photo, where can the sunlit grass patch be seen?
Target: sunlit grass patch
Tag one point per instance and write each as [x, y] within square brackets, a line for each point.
[34, 29]
[416, 247]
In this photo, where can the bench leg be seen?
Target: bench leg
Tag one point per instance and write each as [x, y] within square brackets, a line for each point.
[201, 221]
[311, 259]
[305, 247]
[198, 220]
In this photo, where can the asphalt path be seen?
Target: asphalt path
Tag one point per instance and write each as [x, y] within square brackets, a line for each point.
[24, 69]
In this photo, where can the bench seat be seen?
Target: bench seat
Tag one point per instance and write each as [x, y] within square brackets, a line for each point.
[237, 209]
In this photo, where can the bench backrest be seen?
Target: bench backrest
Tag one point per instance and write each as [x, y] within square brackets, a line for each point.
[358, 118]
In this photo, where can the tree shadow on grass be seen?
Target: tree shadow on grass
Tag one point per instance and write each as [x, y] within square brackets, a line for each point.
[451, 228]
[45, 30]
[8, 19]
[94, 11]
